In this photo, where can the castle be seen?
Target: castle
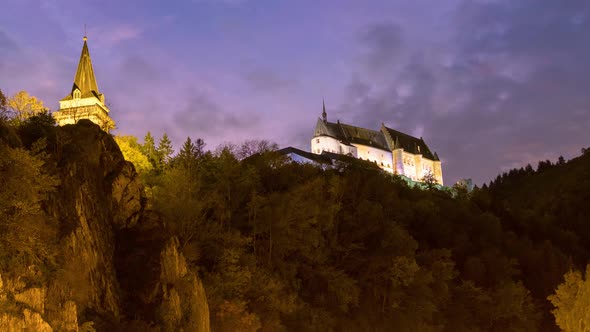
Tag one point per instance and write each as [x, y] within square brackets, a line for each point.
[84, 100]
[393, 151]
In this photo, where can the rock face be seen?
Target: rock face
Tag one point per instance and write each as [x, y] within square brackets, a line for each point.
[115, 261]
[184, 304]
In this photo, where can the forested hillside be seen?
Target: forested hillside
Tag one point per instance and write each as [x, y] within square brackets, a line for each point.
[285, 246]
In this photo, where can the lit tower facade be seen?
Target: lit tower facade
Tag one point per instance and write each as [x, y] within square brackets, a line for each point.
[84, 100]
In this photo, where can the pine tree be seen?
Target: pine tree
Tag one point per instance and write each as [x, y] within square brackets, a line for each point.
[164, 151]
[149, 148]
[188, 154]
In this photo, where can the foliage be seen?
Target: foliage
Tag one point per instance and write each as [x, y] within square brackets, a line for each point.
[164, 152]
[3, 105]
[22, 106]
[287, 246]
[148, 148]
[132, 151]
[295, 247]
[572, 302]
[28, 238]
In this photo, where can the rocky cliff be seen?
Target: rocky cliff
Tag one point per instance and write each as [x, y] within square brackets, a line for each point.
[114, 266]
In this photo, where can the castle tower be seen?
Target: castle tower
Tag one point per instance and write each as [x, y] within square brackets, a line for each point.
[84, 100]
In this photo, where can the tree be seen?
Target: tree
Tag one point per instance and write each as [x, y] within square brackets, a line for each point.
[572, 302]
[164, 151]
[251, 147]
[149, 148]
[187, 154]
[132, 152]
[28, 237]
[3, 105]
[200, 147]
[23, 106]
[429, 180]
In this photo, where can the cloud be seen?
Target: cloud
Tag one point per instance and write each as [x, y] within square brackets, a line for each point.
[266, 81]
[382, 42]
[118, 33]
[7, 44]
[204, 117]
[508, 87]
[222, 2]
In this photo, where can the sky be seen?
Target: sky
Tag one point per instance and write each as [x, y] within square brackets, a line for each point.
[489, 84]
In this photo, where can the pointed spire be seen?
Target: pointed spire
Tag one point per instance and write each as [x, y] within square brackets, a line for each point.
[85, 80]
[324, 114]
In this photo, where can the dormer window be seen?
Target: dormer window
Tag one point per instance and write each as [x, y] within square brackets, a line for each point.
[77, 94]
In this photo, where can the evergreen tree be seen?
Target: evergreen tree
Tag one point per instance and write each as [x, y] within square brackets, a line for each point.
[187, 155]
[149, 148]
[164, 151]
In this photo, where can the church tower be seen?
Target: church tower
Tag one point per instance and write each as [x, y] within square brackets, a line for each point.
[84, 100]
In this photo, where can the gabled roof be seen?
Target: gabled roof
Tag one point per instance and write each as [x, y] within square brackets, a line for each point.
[408, 143]
[386, 139]
[85, 80]
[348, 134]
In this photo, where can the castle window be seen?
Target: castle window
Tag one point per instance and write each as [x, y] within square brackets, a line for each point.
[317, 140]
[382, 164]
[76, 94]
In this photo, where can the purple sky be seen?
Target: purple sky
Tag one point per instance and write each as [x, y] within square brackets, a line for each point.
[490, 85]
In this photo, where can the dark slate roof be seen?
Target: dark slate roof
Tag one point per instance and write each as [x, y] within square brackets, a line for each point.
[409, 143]
[348, 134]
[386, 139]
[85, 80]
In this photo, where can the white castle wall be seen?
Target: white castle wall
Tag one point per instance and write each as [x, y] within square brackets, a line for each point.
[414, 166]
[330, 144]
[380, 157]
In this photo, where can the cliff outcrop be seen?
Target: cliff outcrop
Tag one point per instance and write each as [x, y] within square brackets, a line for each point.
[111, 265]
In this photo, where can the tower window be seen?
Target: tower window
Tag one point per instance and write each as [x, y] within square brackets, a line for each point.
[77, 94]
[317, 140]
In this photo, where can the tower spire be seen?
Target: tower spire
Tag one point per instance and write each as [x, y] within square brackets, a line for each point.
[84, 100]
[85, 81]
[324, 114]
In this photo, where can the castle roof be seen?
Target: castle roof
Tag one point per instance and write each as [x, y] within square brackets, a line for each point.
[386, 139]
[408, 143]
[348, 134]
[85, 81]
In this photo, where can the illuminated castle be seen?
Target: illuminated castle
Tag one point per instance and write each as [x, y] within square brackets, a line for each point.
[393, 151]
[84, 100]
